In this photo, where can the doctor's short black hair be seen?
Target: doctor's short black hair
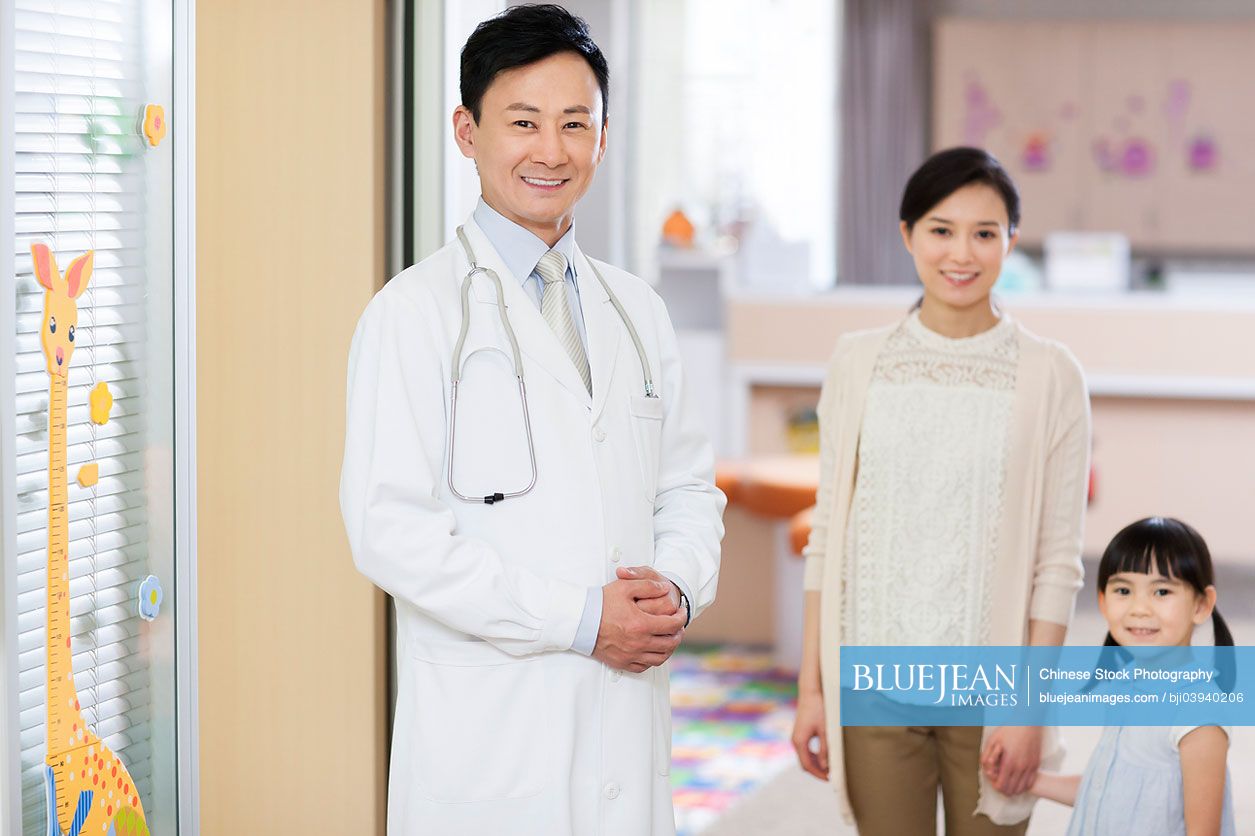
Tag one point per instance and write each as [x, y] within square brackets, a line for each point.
[945, 172]
[523, 35]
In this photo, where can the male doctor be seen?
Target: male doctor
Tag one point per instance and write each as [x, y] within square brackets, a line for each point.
[532, 629]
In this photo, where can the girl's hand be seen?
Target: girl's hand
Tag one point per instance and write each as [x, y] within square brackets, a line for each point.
[1061, 788]
[808, 726]
[1011, 758]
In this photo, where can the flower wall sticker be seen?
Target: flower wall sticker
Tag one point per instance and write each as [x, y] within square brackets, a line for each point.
[1203, 153]
[101, 400]
[980, 114]
[149, 598]
[1135, 157]
[154, 124]
[88, 475]
[1036, 153]
[1138, 159]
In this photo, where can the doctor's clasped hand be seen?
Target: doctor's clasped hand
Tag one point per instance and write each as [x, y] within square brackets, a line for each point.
[642, 621]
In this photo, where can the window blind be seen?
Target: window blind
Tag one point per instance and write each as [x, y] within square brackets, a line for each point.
[80, 184]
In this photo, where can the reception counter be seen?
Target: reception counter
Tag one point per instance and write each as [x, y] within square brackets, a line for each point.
[1172, 383]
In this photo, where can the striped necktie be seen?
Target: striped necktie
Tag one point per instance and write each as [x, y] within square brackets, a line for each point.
[556, 311]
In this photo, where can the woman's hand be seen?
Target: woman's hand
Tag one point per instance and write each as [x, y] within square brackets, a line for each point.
[1011, 758]
[808, 726]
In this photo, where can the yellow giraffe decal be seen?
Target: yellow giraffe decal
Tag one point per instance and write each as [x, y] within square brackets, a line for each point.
[88, 789]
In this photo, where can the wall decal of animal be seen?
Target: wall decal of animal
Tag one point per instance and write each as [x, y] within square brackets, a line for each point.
[88, 789]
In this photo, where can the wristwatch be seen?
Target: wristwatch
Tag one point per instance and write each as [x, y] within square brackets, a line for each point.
[688, 608]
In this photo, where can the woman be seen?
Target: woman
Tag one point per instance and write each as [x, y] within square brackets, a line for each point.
[954, 455]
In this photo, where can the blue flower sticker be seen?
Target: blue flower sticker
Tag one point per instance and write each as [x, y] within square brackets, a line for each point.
[149, 598]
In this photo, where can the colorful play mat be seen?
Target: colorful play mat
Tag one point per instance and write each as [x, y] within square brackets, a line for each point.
[732, 714]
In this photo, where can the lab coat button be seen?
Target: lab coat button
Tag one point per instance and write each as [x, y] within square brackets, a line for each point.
[616, 554]
[615, 676]
[612, 790]
[599, 434]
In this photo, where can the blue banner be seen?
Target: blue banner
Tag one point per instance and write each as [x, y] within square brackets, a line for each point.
[1047, 686]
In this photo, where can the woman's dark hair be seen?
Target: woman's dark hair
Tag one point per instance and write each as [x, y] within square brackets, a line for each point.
[523, 35]
[1175, 550]
[945, 172]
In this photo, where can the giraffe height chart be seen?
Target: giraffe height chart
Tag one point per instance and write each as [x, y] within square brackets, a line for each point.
[88, 789]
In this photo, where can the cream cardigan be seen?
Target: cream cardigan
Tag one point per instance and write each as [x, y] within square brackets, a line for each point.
[1037, 570]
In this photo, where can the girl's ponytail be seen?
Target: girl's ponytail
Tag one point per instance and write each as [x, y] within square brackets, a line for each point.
[1221, 630]
[1226, 669]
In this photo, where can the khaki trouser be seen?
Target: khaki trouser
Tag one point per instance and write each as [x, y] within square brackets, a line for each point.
[892, 774]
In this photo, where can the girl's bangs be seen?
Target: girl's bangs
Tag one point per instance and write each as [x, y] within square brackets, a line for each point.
[1158, 545]
[1147, 561]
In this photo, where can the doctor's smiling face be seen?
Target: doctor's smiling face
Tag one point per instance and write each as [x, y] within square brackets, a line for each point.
[537, 142]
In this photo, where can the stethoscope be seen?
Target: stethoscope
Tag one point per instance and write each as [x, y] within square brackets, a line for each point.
[459, 363]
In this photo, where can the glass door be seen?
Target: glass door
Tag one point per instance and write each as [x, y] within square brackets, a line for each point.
[89, 513]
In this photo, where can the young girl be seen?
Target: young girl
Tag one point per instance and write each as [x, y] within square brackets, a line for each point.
[954, 452]
[1155, 585]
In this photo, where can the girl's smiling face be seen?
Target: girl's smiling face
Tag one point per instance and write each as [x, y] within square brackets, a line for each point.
[1153, 609]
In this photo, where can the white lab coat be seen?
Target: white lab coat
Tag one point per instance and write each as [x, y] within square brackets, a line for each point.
[500, 727]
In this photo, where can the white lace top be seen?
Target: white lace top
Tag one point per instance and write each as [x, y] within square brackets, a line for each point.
[928, 494]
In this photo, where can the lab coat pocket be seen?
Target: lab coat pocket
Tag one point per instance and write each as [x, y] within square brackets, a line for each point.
[480, 723]
[647, 416]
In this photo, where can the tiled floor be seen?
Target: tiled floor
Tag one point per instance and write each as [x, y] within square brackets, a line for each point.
[777, 799]
[731, 718]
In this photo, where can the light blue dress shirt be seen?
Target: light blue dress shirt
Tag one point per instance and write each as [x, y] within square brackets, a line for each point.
[520, 249]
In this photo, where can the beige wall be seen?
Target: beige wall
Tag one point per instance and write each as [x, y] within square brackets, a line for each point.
[290, 199]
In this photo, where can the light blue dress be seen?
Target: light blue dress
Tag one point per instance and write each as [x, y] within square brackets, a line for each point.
[1132, 785]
